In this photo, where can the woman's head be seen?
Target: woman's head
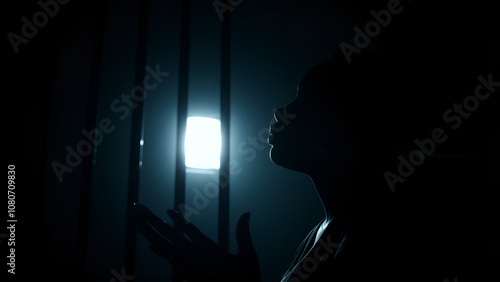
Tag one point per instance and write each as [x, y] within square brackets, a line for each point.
[307, 130]
[362, 110]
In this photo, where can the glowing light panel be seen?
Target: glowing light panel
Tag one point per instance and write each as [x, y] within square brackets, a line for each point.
[203, 143]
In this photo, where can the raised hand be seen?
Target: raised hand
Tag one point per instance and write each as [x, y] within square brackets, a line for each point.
[198, 258]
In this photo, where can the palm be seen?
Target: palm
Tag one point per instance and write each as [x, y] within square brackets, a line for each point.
[198, 258]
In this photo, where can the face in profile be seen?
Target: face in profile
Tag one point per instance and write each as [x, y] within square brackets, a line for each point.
[308, 132]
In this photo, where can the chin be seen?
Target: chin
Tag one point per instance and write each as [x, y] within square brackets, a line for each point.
[287, 159]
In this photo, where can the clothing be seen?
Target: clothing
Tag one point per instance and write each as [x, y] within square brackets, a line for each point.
[358, 254]
[312, 253]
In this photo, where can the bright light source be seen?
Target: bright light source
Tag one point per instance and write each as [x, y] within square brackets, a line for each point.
[203, 143]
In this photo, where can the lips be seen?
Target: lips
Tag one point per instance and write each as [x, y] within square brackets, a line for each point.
[270, 139]
[277, 127]
[273, 131]
[271, 136]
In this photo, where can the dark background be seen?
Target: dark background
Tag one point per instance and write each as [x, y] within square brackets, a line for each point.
[273, 44]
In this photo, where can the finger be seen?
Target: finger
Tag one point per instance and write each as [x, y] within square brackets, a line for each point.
[192, 231]
[243, 237]
[163, 228]
[155, 238]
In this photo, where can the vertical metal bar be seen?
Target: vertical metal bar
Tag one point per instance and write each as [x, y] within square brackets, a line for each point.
[223, 231]
[180, 170]
[135, 138]
[180, 167]
[88, 163]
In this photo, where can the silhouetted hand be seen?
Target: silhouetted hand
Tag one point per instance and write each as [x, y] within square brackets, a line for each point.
[199, 258]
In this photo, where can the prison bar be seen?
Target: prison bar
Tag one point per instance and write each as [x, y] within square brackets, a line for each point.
[223, 231]
[182, 100]
[135, 140]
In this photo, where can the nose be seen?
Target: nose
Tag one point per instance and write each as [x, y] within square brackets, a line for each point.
[278, 126]
[276, 114]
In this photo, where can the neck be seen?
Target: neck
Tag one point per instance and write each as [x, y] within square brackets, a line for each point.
[328, 182]
[331, 175]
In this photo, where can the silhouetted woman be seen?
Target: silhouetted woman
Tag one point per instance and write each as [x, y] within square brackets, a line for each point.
[349, 128]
